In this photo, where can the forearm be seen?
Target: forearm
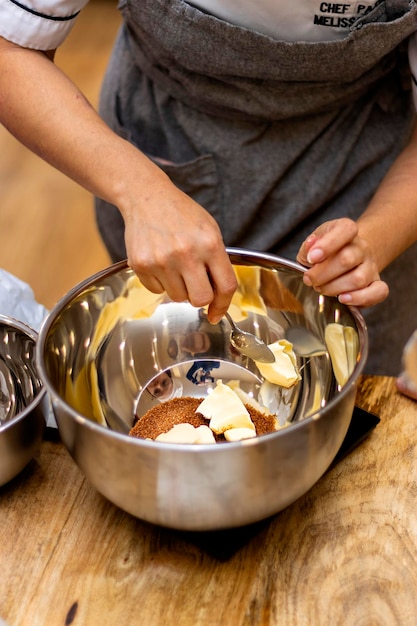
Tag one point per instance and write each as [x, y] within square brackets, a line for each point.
[172, 243]
[42, 108]
[346, 257]
[389, 224]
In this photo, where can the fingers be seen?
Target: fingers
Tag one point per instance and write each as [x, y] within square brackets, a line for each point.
[201, 275]
[353, 291]
[360, 286]
[151, 283]
[213, 283]
[224, 283]
[373, 294]
[341, 264]
[327, 240]
[351, 268]
[406, 387]
[213, 286]
[181, 278]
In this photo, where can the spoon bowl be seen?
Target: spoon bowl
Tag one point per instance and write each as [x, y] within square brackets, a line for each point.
[248, 344]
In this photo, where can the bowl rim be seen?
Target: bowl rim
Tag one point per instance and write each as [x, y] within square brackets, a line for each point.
[13, 322]
[271, 261]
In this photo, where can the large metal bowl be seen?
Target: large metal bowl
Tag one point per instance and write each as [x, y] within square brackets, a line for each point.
[102, 344]
[23, 402]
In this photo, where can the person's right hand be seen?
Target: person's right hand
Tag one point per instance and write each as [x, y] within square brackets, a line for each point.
[175, 245]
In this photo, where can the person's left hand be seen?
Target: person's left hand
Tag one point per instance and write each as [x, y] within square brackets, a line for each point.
[341, 264]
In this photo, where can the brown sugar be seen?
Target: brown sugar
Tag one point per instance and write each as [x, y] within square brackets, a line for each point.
[161, 418]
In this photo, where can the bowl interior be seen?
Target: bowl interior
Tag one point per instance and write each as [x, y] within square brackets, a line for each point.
[110, 343]
[19, 381]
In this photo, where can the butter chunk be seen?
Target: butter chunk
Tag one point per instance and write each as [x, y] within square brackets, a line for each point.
[237, 434]
[352, 347]
[342, 344]
[247, 399]
[186, 433]
[284, 371]
[224, 410]
[204, 435]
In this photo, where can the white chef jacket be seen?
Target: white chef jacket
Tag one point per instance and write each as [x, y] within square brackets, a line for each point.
[44, 24]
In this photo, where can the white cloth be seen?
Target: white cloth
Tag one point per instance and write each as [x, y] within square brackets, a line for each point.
[17, 300]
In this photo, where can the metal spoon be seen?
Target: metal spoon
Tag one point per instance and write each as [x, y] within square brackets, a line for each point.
[304, 342]
[249, 345]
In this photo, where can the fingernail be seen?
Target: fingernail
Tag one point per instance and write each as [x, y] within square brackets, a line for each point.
[315, 255]
[345, 298]
[307, 280]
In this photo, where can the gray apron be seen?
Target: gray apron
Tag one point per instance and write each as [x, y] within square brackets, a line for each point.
[272, 138]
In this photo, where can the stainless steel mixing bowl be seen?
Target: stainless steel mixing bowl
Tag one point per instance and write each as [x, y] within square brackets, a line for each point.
[104, 342]
[23, 402]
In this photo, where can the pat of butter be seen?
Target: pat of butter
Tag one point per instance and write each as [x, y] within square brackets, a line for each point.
[342, 344]
[237, 434]
[186, 433]
[246, 398]
[224, 410]
[204, 435]
[283, 371]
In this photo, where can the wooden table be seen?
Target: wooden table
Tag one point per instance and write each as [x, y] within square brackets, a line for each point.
[344, 554]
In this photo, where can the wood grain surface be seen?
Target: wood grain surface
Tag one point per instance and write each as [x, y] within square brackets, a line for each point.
[344, 554]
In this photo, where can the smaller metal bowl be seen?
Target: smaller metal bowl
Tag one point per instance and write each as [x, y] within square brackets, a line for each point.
[23, 400]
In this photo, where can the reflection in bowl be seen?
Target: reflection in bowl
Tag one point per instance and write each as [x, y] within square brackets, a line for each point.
[109, 338]
[162, 386]
[195, 379]
[22, 398]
